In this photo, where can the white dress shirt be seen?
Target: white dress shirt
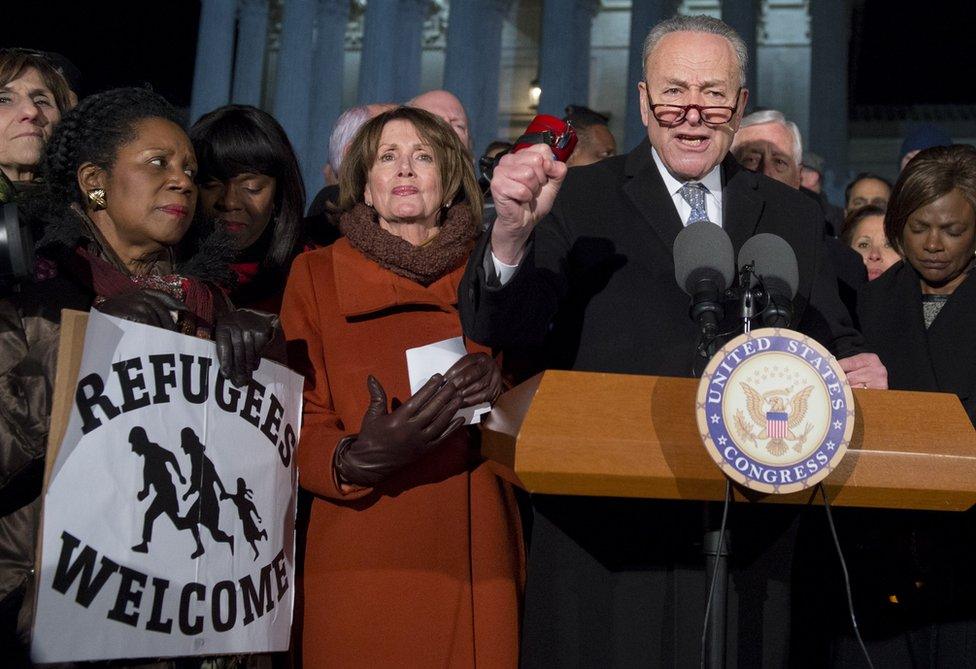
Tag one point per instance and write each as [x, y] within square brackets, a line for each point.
[713, 206]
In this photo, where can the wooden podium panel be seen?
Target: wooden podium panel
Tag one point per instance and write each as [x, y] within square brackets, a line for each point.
[620, 435]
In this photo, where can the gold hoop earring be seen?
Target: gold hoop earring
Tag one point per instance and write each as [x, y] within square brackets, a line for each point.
[97, 198]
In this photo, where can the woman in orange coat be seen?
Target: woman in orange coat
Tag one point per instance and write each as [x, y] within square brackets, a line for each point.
[414, 555]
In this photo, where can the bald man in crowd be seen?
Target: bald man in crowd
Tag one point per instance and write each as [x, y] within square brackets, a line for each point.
[448, 107]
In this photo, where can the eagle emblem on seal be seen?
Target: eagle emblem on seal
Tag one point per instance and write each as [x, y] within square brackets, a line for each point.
[774, 417]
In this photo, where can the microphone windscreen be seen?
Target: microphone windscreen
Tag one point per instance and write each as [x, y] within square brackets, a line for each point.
[703, 247]
[772, 258]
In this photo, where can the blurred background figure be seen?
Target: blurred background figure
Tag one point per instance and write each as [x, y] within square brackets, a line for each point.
[497, 148]
[770, 143]
[486, 164]
[596, 142]
[866, 188]
[864, 232]
[811, 183]
[33, 97]
[811, 172]
[445, 105]
[922, 137]
[71, 74]
[411, 532]
[346, 126]
[251, 187]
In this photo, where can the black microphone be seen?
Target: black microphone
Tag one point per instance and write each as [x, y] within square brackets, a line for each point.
[773, 262]
[704, 267]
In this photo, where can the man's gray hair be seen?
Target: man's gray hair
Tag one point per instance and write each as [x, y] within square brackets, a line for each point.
[773, 116]
[345, 128]
[700, 23]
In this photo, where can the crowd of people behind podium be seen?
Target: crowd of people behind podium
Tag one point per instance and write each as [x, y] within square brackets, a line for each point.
[416, 548]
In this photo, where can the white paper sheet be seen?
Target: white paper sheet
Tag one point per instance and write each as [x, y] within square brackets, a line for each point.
[425, 361]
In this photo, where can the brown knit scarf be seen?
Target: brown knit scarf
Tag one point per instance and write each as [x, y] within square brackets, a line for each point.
[425, 264]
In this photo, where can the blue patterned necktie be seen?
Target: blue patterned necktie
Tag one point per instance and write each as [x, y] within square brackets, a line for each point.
[694, 194]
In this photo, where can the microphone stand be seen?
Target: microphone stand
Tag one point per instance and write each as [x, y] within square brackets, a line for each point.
[715, 543]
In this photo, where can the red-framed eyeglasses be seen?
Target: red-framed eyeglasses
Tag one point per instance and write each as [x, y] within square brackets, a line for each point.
[671, 115]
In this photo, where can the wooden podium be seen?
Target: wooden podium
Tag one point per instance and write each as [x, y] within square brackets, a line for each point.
[620, 435]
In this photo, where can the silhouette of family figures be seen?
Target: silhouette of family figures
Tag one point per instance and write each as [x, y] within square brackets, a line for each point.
[245, 507]
[204, 481]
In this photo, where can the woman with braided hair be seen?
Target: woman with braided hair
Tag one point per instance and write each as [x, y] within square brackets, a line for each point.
[118, 195]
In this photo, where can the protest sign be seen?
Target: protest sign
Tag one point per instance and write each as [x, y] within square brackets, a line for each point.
[169, 507]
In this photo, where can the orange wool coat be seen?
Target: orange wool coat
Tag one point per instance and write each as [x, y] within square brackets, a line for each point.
[426, 569]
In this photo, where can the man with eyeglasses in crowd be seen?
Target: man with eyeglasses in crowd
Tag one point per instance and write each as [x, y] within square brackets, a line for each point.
[583, 262]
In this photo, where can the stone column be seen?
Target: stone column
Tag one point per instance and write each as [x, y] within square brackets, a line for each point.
[293, 81]
[830, 23]
[474, 42]
[643, 16]
[564, 54]
[783, 67]
[252, 41]
[214, 59]
[742, 15]
[390, 67]
[326, 83]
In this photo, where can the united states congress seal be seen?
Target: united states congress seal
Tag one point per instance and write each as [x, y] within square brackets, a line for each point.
[775, 410]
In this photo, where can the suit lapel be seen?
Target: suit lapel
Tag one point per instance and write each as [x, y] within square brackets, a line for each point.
[908, 325]
[645, 189]
[742, 206]
[949, 353]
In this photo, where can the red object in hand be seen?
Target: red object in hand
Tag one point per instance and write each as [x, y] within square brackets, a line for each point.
[546, 129]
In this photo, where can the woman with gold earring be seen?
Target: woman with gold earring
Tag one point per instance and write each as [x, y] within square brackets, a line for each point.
[118, 195]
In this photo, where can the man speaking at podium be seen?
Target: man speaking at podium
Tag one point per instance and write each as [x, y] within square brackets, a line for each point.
[583, 263]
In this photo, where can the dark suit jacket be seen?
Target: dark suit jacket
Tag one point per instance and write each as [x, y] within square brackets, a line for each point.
[616, 582]
[850, 270]
[600, 271]
[940, 359]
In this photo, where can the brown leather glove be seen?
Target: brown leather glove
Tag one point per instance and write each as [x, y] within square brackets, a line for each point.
[477, 378]
[241, 336]
[151, 307]
[389, 441]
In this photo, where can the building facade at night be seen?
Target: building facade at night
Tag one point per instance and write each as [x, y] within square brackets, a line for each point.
[307, 60]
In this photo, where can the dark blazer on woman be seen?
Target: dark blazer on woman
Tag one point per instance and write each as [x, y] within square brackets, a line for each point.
[911, 571]
[940, 359]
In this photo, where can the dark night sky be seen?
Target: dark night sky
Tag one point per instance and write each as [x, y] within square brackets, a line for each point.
[908, 51]
[916, 52]
[114, 43]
